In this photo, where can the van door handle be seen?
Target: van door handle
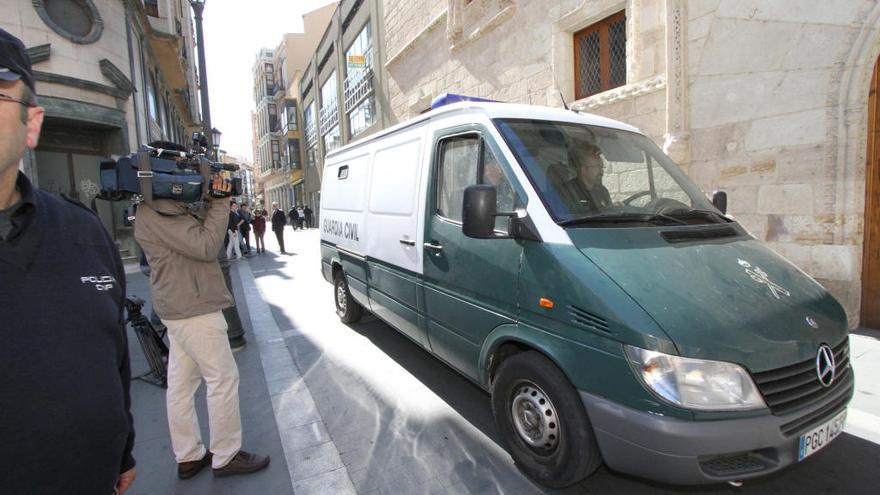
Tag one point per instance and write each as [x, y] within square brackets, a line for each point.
[408, 242]
[434, 247]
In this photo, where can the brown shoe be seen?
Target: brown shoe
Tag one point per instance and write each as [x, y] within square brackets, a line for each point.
[243, 463]
[186, 470]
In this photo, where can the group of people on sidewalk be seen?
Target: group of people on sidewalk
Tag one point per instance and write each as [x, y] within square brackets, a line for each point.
[242, 221]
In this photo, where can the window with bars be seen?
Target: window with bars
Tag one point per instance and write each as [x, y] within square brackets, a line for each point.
[600, 56]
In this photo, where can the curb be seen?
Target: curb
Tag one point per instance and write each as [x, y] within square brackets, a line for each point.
[312, 457]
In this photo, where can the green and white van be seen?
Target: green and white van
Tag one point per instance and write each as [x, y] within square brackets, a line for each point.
[627, 321]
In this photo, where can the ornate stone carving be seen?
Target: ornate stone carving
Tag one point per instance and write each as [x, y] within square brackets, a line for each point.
[650, 85]
[677, 139]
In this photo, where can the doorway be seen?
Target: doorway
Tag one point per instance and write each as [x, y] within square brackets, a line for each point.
[870, 315]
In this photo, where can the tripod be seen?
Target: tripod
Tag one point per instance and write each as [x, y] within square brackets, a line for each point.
[151, 341]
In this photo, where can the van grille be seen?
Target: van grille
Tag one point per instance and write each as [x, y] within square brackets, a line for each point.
[584, 319]
[794, 387]
[674, 236]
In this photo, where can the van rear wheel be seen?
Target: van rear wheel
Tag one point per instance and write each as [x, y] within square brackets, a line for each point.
[542, 421]
[348, 310]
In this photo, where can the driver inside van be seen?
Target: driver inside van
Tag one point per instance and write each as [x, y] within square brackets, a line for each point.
[580, 183]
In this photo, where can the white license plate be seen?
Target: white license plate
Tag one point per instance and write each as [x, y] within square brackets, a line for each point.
[817, 438]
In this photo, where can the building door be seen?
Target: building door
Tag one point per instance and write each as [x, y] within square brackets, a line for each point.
[871, 255]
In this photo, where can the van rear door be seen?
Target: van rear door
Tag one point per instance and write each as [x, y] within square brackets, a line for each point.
[470, 284]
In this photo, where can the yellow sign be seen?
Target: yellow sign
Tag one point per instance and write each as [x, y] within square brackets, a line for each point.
[357, 61]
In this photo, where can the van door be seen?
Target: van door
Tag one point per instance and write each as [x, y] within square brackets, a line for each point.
[393, 242]
[470, 285]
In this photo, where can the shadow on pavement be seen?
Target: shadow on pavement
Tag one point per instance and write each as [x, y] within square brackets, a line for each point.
[849, 465]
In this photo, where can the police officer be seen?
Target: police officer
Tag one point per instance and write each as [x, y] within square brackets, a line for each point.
[65, 418]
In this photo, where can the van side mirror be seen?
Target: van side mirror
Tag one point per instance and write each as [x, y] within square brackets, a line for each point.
[478, 211]
[719, 199]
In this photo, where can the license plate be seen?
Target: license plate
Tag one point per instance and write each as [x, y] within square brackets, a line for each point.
[817, 438]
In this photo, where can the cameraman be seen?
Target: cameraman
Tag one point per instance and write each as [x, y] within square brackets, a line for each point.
[189, 294]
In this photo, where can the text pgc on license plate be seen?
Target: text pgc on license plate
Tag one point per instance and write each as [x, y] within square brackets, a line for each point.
[817, 438]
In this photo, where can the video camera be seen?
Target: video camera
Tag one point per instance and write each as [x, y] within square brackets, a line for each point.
[167, 171]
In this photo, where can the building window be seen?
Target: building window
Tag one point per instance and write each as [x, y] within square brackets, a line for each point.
[276, 154]
[362, 116]
[273, 117]
[151, 99]
[311, 157]
[329, 115]
[293, 153]
[290, 122]
[76, 20]
[152, 7]
[600, 56]
[311, 129]
[332, 140]
[358, 88]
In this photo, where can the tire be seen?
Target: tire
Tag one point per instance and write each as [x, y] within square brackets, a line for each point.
[556, 453]
[348, 310]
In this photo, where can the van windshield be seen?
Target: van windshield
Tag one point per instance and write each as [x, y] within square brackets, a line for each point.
[590, 175]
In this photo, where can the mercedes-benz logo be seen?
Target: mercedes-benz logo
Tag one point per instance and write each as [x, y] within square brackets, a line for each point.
[825, 366]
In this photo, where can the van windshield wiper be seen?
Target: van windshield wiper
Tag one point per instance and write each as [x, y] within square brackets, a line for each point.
[622, 218]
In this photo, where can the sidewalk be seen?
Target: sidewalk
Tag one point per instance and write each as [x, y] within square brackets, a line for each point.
[156, 468]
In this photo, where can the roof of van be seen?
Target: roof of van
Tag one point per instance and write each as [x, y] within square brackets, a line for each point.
[495, 111]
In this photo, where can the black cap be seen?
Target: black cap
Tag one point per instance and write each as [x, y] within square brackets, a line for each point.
[14, 62]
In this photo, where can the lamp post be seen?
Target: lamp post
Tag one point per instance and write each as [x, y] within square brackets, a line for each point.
[235, 331]
[215, 140]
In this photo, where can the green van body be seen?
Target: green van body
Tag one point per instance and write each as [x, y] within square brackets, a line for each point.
[681, 290]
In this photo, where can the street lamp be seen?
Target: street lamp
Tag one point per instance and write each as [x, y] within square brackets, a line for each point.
[235, 331]
[215, 139]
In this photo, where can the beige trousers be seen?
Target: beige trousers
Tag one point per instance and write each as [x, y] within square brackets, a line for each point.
[200, 350]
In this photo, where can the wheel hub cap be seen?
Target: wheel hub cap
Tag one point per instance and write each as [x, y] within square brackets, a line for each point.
[534, 417]
[340, 297]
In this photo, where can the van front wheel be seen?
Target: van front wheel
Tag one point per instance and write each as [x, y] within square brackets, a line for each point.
[348, 310]
[542, 421]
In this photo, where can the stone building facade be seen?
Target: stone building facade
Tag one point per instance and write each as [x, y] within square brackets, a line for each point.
[768, 101]
[343, 87]
[112, 75]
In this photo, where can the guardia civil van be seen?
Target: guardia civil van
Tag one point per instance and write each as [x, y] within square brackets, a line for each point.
[565, 265]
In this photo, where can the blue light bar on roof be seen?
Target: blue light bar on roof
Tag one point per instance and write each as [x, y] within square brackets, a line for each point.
[450, 98]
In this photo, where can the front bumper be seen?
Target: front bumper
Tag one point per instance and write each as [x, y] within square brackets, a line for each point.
[684, 452]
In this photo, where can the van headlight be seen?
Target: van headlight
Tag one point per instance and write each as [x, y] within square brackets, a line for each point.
[695, 383]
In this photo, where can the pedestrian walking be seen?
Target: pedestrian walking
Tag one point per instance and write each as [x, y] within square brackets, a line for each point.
[278, 222]
[232, 244]
[307, 211]
[300, 216]
[293, 215]
[189, 294]
[66, 410]
[259, 226]
[245, 228]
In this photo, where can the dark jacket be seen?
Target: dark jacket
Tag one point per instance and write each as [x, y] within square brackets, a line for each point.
[65, 420]
[278, 220]
[185, 278]
[259, 224]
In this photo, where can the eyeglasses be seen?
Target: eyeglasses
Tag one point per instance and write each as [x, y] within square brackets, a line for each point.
[4, 97]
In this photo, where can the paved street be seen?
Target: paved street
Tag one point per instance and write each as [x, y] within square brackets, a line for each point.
[361, 409]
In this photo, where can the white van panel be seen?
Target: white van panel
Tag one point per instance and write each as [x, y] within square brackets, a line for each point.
[397, 173]
[342, 205]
